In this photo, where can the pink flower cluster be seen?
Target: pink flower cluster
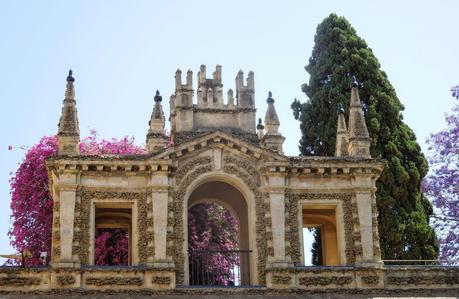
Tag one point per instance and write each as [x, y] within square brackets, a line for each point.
[212, 234]
[32, 204]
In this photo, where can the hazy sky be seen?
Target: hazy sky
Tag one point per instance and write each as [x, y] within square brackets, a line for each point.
[122, 51]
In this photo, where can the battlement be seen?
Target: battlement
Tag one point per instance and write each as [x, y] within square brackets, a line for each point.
[210, 111]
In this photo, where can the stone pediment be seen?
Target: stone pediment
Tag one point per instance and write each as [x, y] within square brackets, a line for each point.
[221, 139]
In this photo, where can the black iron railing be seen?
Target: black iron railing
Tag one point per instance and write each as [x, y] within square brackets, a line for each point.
[219, 267]
[421, 262]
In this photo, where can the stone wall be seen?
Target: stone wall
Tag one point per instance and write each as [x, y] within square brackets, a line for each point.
[14, 279]
[342, 280]
[356, 278]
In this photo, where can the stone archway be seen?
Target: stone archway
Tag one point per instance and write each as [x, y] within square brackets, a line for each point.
[231, 193]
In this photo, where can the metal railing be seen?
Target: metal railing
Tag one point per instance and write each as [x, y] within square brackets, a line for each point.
[421, 263]
[219, 267]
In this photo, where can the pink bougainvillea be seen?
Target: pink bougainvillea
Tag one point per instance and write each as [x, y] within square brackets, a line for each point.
[92, 145]
[111, 247]
[212, 241]
[31, 201]
[211, 227]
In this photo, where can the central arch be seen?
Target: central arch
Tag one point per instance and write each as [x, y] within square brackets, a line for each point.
[232, 193]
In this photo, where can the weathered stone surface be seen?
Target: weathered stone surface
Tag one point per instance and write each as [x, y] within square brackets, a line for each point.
[217, 142]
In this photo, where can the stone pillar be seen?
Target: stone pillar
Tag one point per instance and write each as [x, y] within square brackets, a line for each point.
[363, 200]
[276, 200]
[276, 191]
[364, 189]
[67, 196]
[160, 197]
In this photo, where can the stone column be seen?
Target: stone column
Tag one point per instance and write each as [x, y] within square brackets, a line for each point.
[276, 191]
[364, 189]
[160, 197]
[67, 194]
[276, 200]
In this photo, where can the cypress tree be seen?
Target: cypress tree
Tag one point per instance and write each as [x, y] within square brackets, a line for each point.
[338, 54]
[316, 250]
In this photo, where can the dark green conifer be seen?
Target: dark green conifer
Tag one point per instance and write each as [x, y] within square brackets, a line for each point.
[338, 54]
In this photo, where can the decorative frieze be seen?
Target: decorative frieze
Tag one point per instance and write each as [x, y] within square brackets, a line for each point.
[163, 280]
[281, 279]
[16, 281]
[419, 279]
[325, 280]
[114, 281]
[65, 280]
[370, 280]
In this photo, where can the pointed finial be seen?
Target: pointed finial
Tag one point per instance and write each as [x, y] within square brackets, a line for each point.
[355, 83]
[70, 77]
[158, 97]
[340, 109]
[260, 125]
[270, 99]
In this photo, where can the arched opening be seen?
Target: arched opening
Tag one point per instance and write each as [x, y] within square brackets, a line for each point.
[231, 265]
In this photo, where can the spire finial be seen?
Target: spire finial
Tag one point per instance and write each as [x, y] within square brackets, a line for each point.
[354, 83]
[68, 133]
[270, 99]
[70, 77]
[340, 109]
[260, 129]
[158, 97]
[260, 125]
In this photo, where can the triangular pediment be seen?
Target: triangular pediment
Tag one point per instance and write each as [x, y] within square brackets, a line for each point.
[222, 140]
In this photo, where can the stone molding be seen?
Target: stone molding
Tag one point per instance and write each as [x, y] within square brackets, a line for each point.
[82, 215]
[352, 239]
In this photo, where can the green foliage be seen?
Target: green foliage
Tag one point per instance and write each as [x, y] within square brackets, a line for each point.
[316, 250]
[339, 53]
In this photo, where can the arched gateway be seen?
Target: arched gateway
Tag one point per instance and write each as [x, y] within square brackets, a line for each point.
[217, 153]
[229, 191]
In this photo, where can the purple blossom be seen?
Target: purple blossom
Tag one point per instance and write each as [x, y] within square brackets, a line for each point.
[442, 186]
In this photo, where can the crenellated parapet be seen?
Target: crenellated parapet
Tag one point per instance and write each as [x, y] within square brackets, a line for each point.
[210, 110]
